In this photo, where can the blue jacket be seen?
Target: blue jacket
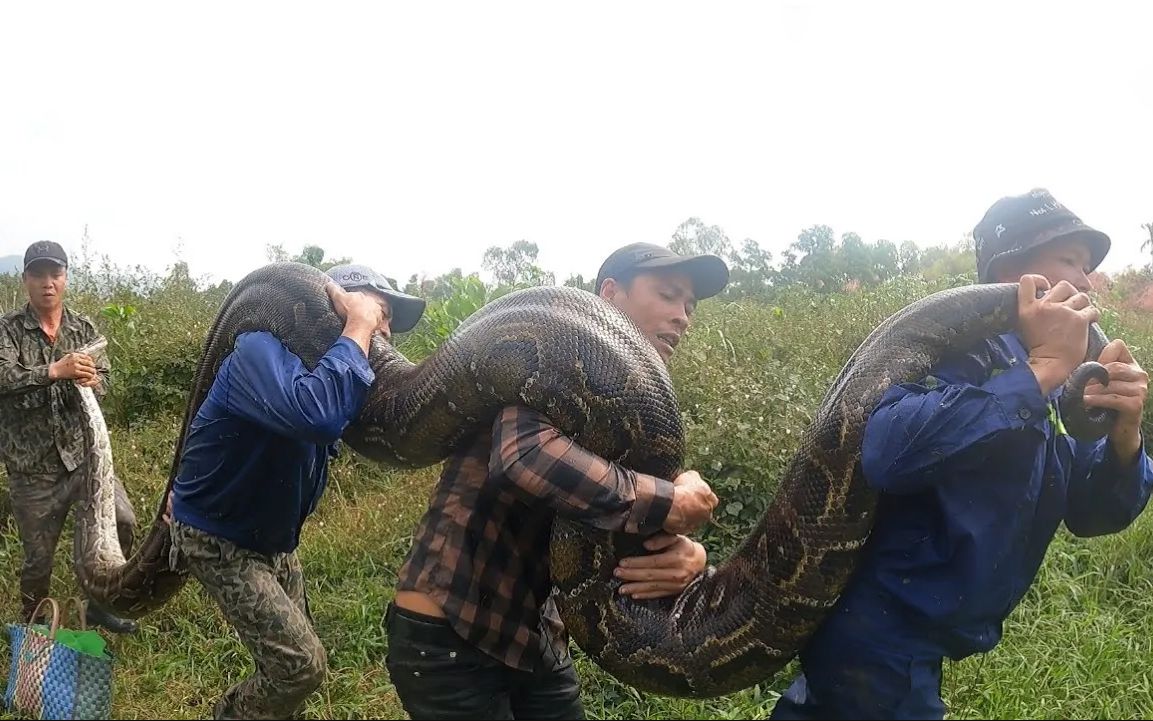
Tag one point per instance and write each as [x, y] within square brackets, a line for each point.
[976, 474]
[255, 462]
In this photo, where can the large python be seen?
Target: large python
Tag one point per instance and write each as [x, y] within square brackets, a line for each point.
[574, 357]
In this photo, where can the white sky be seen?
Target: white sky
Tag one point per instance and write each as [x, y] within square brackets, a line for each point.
[412, 136]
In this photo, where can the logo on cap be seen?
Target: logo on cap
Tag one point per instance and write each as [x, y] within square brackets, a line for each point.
[45, 250]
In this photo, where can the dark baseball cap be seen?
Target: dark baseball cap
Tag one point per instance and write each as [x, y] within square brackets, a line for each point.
[406, 309]
[709, 273]
[45, 250]
[1017, 224]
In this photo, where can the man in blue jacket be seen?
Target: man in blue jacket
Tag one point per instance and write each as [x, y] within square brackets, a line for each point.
[253, 469]
[975, 473]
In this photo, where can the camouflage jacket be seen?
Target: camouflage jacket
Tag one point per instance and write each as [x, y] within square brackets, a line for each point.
[40, 420]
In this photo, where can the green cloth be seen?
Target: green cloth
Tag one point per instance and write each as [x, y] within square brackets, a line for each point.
[86, 642]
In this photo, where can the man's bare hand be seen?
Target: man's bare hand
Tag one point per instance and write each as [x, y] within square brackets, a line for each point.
[693, 503]
[93, 382]
[1054, 327]
[667, 573]
[1126, 393]
[73, 366]
[362, 314]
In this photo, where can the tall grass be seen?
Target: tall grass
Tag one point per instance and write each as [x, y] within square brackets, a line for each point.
[750, 376]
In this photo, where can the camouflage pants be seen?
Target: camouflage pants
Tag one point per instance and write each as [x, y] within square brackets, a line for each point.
[263, 598]
[40, 504]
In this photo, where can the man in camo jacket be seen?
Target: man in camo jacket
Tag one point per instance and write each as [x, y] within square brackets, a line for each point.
[41, 432]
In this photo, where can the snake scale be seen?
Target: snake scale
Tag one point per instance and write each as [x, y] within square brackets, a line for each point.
[572, 356]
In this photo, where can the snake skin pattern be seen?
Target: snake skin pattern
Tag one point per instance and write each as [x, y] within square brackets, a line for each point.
[572, 356]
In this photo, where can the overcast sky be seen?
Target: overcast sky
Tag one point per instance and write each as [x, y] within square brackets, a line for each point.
[412, 136]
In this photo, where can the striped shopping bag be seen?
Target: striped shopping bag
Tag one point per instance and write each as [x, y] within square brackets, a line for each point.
[58, 673]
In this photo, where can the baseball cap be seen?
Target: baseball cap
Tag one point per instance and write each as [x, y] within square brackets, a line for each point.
[406, 309]
[709, 273]
[1016, 224]
[45, 250]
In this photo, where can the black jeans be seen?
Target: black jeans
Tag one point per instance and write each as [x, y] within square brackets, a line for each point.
[437, 675]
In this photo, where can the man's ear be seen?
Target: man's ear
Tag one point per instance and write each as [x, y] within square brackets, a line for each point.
[1009, 271]
[609, 289]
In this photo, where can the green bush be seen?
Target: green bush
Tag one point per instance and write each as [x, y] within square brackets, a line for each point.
[749, 377]
[155, 328]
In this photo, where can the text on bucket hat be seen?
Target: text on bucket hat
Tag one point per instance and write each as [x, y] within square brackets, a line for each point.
[1016, 224]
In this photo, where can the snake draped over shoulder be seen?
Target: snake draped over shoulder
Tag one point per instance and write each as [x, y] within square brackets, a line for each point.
[575, 358]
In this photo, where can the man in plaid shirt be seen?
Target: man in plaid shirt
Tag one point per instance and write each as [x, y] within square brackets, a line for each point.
[473, 631]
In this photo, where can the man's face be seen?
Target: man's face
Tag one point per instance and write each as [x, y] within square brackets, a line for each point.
[385, 327]
[659, 303]
[1064, 259]
[44, 282]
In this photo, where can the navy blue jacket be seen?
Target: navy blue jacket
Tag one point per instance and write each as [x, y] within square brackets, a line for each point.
[976, 474]
[256, 459]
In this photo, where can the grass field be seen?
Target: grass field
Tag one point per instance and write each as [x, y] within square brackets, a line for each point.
[1080, 645]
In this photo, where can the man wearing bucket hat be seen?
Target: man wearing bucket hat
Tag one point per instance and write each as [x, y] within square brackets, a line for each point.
[975, 473]
[253, 469]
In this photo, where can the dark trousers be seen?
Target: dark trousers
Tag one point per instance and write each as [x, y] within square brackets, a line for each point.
[438, 675]
[41, 503]
[845, 679]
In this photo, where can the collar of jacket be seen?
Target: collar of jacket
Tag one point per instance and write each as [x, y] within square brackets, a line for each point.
[32, 321]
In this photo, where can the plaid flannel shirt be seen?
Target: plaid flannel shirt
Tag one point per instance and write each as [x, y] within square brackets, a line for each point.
[481, 549]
